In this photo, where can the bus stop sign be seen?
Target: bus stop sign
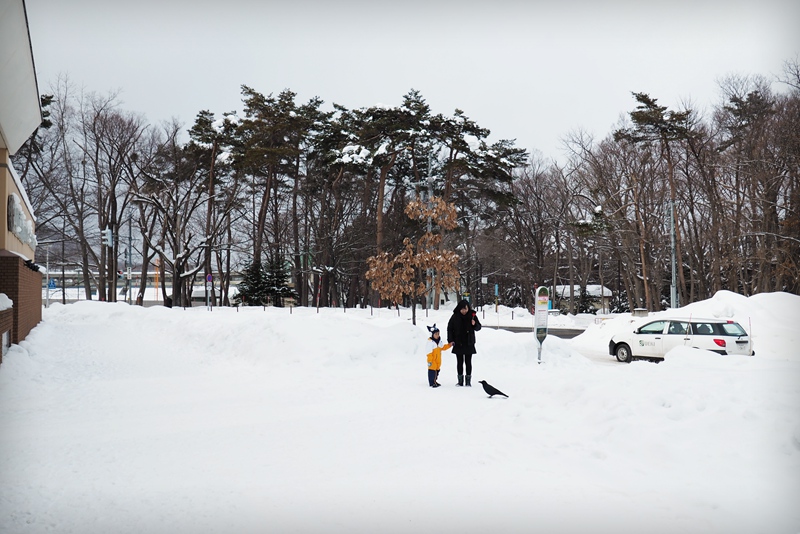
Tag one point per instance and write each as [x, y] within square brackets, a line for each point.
[540, 317]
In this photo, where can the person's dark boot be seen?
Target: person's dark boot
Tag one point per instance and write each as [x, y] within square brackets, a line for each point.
[469, 380]
[460, 380]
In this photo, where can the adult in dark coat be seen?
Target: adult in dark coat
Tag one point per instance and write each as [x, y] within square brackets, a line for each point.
[461, 333]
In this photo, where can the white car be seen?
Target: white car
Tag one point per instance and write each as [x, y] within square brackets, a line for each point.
[654, 339]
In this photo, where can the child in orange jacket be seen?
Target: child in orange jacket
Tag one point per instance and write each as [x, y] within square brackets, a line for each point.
[434, 350]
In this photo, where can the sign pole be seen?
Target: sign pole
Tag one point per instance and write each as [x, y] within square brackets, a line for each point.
[540, 317]
[209, 280]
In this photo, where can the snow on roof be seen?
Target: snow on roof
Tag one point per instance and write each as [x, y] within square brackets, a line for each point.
[593, 290]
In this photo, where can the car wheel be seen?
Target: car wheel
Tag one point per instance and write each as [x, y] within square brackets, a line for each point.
[623, 353]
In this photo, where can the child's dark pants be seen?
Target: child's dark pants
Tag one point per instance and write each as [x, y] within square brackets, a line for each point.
[432, 376]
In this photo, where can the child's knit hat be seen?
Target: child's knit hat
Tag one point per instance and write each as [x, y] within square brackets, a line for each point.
[433, 329]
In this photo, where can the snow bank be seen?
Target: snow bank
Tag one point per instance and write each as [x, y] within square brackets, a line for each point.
[128, 420]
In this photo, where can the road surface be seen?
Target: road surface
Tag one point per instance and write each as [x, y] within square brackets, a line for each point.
[563, 333]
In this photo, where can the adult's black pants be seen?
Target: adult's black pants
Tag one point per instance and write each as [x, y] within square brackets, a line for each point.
[461, 360]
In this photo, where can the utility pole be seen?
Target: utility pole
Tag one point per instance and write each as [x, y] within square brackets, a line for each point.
[63, 260]
[673, 288]
[47, 284]
[107, 240]
[129, 261]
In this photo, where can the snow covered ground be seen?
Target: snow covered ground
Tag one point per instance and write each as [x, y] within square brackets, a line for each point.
[118, 419]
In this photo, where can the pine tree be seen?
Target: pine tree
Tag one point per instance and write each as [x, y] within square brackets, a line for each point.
[586, 302]
[276, 278]
[656, 124]
[253, 287]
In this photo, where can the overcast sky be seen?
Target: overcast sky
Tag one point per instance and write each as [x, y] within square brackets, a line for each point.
[532, 71]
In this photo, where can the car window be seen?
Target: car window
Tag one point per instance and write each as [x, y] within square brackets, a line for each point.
[677, 328]
[702, 329]
[733, 329]
[653, 328]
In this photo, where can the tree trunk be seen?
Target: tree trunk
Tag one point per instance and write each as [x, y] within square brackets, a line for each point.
[642, 235]
[570, 255]
[258, 238]
[209, 214]
[678, 253]
[379, 210]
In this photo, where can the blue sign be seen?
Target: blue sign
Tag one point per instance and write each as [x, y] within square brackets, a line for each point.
[52, 284]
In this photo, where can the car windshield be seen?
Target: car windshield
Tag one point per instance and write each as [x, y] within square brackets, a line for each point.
[733, 329]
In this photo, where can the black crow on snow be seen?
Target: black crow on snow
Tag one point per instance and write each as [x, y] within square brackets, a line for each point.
[491, 390]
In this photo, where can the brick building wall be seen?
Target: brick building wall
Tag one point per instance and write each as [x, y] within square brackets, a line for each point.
[24, 287]
[6, 325]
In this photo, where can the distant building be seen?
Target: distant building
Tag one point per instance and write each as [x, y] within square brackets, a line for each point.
[20, 115]
[600, 296]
